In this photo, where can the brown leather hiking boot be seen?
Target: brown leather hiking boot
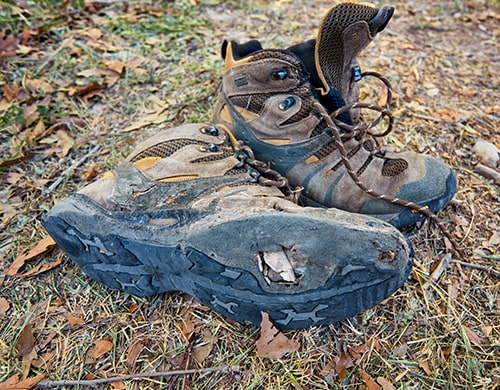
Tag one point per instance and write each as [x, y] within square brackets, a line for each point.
[191, 210]
[298, 110]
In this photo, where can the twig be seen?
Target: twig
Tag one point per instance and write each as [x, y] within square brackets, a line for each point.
[478, 266]
[96, 382]
[488, 172]
[73, 166]
[436, 274]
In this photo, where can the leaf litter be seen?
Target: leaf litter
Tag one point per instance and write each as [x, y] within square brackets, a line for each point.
[78, 75]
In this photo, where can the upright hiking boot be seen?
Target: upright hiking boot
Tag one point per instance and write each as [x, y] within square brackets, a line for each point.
[190, 210]
[298, 110]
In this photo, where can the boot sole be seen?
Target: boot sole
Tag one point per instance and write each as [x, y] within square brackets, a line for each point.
[212, 258]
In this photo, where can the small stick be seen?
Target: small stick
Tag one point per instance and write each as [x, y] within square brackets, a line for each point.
[73, 166]
[436, 274]
[96, 382]
[488, 172]
[478, 266]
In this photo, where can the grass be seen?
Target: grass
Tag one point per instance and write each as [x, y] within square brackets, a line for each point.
[443, 336]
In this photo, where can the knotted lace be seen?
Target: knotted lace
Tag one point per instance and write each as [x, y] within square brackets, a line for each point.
[359, 131]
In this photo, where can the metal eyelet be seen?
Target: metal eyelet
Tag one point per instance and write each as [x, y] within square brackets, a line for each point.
[287, 103]
[209, 148]
[210, 130]
[254, 174]
[356, 73]
[279, 74]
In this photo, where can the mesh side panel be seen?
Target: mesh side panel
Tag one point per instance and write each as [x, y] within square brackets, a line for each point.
[326, 150]
[164, 149]
[365, 165]
[331, 45]
[280, 55]
[227, 151]
[394, 167]
[369, 145]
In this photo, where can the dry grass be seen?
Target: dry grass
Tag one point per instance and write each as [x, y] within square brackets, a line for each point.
[442, 58]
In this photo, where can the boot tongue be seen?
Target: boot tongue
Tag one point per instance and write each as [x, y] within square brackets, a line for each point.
[344, 32]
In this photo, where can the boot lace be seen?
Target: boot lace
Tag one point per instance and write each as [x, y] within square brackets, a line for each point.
[263, 174]
[362, 129]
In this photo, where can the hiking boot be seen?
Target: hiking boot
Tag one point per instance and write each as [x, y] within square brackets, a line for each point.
[298, 110]
[191, 211]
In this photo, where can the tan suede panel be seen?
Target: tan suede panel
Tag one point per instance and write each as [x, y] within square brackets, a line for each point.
[269, 124]
[330, 187]
[187, 131]
[183, 163]
[257, 77]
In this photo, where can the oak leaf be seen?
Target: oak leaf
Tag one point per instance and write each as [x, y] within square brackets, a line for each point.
[13, 383]
[272, 343]
[42, 246]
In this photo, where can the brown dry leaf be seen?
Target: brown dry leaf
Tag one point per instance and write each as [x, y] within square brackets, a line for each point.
[155, 118]
[272, 343]
[43, 267]
[4, 306]
[370, 383]
[42, 246]
[36, 85]
[134, 351]
[13, 383]
[472, 336]
[118, 385]
[111, 77]
[342, 363]
[202, 351]
[400, 351]
[424, 365]
[62, 143]
[74, 320]
[92, 33]
[358, 352]
[100, 348]
[25, 342]
[7, 45]
[115, 66]
[385, 383]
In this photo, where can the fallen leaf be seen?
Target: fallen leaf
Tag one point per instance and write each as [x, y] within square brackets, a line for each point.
[272, 343]
[62, 143]
[25, 342]
[424, 365]
[116, 66]
[155, 118]
[386, 384]
[202, 351]
[42, 267]
[400, 351]
[134, 351]
[13, 383]
[342, 363]
[4, 306]
[100, 348]
[42, 246]
[472, 336]
[7, 45]
[370, 383]
[92, 33]
[74, 320]
[119, 385]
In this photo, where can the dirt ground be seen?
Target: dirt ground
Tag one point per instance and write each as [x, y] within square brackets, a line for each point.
[81, 82]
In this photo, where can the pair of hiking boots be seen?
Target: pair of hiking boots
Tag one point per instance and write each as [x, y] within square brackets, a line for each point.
[284, 205]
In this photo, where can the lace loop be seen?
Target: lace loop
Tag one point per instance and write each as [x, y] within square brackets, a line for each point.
[265, 175]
